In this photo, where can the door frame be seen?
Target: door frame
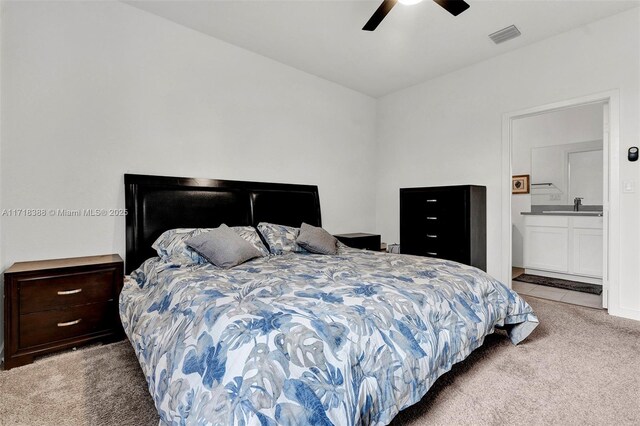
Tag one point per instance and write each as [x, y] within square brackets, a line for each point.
[611, 194]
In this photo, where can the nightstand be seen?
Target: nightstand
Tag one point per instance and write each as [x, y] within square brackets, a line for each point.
[52, 305]
[360, 240]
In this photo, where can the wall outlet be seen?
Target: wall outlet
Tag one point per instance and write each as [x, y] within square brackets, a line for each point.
[628, 186]
[554, 197]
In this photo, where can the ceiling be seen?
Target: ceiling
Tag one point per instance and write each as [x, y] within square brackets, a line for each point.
[413, 44]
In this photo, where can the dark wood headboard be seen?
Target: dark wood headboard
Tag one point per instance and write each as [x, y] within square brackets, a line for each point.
[158, 203]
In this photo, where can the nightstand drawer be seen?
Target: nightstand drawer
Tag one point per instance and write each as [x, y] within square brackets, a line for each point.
[360, 240]
[44, 293]
[55, 325]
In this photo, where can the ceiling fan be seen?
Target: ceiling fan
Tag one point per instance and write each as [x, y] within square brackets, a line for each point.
[454, 7]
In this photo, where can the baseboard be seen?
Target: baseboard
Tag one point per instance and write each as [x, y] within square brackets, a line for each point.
[625, 313]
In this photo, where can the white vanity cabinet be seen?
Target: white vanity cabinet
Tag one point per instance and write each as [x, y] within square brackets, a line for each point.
[586, 243]
[566, 245]
[546, 243]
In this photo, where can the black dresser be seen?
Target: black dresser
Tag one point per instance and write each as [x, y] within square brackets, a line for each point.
[448, 222]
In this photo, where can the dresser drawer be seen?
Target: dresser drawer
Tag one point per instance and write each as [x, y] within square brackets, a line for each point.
[444, 212]
[442, 229]
[44, 293]
[51, 326]
[431, 244]
[444, 247]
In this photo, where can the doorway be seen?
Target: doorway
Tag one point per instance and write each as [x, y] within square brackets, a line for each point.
[571, 241]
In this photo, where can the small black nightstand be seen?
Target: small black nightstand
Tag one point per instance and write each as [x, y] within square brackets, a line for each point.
[360, 240]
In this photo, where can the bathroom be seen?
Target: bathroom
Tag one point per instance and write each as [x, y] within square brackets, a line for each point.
[558, 193]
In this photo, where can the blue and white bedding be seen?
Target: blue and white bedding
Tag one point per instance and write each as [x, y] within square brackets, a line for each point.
[304, 339]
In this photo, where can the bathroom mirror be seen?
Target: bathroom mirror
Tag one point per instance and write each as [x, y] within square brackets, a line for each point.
[560, 173]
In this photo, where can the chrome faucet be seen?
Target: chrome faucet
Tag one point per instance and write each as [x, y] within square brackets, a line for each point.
[577, 202]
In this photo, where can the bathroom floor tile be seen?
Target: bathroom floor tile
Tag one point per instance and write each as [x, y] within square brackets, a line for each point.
[583, 299]
[522, 288]
[558, 294]
[548, 292]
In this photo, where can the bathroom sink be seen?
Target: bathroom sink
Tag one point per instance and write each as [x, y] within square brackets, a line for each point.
[571, 212]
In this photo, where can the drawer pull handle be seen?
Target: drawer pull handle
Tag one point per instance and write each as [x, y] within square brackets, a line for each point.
[67, 324]
[432, 236]
[432, 218]
[431, 253]
[68, 292]
[433, 200]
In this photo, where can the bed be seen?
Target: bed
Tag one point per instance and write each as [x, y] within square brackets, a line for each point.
[295, 338]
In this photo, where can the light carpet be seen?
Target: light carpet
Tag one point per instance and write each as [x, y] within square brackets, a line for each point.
[579, 367]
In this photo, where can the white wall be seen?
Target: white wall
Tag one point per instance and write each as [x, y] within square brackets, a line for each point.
[92, 90]
[569, 126]
[449, 130]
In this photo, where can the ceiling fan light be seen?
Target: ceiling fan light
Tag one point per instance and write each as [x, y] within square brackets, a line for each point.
[409, 2]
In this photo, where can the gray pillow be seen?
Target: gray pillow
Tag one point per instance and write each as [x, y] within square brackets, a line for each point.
[317, 240]
[223, 247]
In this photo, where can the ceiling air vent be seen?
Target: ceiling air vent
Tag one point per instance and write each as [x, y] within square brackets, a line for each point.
[505, 34]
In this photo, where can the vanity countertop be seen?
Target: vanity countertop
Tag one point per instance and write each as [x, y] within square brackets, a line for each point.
[563, 213]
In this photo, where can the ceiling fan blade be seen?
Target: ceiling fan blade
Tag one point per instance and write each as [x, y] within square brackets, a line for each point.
[379, 15]
[454, 7]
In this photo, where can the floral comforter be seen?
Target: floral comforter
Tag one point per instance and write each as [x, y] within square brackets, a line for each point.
[301, 339]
